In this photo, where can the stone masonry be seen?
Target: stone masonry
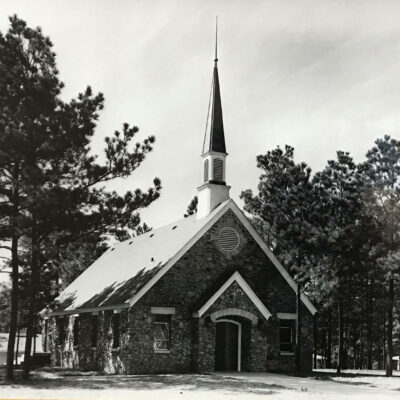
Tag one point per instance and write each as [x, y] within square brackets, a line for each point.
[185, 288]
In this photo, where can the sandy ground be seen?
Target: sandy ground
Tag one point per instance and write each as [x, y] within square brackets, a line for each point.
[67, 384]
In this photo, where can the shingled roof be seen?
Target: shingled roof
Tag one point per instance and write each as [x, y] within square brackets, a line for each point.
[125, 272]
[124, 269]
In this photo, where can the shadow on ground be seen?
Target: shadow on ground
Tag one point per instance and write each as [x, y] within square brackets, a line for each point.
[71, 379]
[330, 375]
[333, 377]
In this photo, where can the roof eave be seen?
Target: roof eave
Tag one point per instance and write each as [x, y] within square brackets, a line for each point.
[88, 310]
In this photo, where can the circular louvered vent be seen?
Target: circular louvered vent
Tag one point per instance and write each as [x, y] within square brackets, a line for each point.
[228, 239]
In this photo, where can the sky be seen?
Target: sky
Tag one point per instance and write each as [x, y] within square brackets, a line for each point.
[320, 76]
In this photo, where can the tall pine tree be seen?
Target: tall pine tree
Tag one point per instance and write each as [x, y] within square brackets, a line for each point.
[383, 162]
[283, 211]
[50, 182]
[340, 189]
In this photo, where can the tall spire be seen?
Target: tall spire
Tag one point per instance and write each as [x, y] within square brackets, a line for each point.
[214, 189]
[216, 124]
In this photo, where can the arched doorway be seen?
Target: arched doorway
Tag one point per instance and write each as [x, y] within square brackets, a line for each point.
[228, 339]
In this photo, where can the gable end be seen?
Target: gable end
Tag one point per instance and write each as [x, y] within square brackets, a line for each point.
[217, 214]
[236, 277]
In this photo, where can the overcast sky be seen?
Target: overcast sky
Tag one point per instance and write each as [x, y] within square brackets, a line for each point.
[318, 75]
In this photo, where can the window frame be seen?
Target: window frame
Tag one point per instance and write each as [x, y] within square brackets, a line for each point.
[162, 320]
[76, 331]
[46, 334]
[116, 331]
[287, 347]
[61, 331]
[94, 330]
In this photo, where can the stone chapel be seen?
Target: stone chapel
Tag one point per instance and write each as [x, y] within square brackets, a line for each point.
[202, 294]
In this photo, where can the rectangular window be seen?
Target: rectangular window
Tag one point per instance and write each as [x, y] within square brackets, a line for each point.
[116, 330]
[46, 334]
[61, 330]
[162, 329]
[95, 322]
[286, 335]
[76, 330]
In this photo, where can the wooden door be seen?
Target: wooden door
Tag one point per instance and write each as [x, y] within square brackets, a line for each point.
[226, 346]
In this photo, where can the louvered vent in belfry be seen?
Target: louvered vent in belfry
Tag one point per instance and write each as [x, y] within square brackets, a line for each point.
[206, 171]
[218, 170]
[228, 239]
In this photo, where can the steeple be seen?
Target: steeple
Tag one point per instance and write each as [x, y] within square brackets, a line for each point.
[214, 190]
[216, 133]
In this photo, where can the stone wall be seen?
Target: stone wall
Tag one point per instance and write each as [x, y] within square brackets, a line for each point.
[142, 357]
[186, 287]
[204, 269]
[82, 355]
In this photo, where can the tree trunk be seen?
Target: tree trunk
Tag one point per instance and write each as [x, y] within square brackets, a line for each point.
[324, 342]
[14, 309]
[379, 351]
[19, 331]
[361, 352]
[340, 336]
[298, 329]
[329, 351]
[361, 338]
[345, 344]
[32, 305]
[14, 278]
[389, 352]
[384, 339]
[34, 335]
[369, 322]
[315, 341]
[17, 347]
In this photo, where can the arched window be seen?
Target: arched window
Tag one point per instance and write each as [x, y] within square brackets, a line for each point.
[206, 171]
[218, 170]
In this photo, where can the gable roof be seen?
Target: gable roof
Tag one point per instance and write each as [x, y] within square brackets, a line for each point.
[236, 277]
[124, 273]
[124, 269]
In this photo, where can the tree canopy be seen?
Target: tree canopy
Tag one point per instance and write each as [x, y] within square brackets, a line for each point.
[337, 232]
[53, 189]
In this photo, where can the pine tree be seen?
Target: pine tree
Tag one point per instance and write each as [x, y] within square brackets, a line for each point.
[283, 209]
[339, 188]
[51, 186]
[27, 92]
[383, 162]
[192, 207]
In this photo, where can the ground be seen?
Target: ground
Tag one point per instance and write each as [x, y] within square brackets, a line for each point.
[52, 383]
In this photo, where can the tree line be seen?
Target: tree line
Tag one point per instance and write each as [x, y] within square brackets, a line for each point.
[338, 232]
[56, 213]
